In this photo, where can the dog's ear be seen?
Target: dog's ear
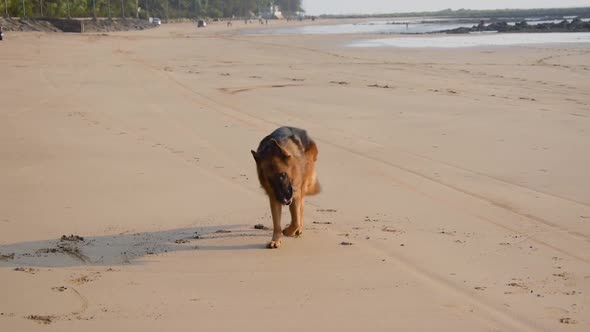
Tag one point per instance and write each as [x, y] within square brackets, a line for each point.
[255, 155]
[282, 151]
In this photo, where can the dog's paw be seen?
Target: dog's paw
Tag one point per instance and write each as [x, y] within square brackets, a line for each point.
[291, 230]
[299, 232]
[274, 244]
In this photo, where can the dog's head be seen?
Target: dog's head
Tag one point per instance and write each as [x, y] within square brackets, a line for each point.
[276, 172]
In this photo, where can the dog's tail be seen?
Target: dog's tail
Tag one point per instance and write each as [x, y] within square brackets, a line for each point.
[311, 152]
[315, 188]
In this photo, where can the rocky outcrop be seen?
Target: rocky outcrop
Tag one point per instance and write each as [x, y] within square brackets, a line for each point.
[73, 25]
[17, 24]
[64, 24]
[576, 25]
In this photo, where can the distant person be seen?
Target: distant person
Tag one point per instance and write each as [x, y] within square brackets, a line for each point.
[1, 33]
[228, 24]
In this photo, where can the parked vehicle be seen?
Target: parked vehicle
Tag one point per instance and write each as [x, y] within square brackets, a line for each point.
[201, 24]
[157, 21]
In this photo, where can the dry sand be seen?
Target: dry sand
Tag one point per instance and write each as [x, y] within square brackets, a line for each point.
[461, 177]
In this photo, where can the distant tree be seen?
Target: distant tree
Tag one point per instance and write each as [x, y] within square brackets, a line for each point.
[289, 7]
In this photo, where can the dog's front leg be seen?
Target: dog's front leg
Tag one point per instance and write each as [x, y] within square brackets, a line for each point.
[300, 229]
[275, 210]
[296, 209]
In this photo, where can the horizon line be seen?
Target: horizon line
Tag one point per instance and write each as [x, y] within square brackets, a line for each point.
[449, 8]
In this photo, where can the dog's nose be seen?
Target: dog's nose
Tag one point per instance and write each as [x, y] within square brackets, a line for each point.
[287, 201]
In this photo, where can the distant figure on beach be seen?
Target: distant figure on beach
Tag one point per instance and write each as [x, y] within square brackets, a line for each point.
[229, 24]
[1, 33]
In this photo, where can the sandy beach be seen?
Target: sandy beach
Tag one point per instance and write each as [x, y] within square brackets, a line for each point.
[460, 177]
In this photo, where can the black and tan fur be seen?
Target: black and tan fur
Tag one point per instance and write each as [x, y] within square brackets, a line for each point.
[285, 161]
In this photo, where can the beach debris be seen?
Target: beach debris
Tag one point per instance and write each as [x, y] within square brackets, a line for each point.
[59, 289]
[567, 320]
[7, 256]
[69, 245]
[47, 251]
[327, 210]
[41, 319]
[72, 237]
[390, 229]
[260, 226]
[514, 284]
[380, 86]
[323, 222]
[26, 269]
[344, 243]
[222, 231]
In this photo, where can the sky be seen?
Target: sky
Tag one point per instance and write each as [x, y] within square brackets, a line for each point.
[316, 7]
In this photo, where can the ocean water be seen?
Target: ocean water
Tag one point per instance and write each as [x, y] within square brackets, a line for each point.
[397, 26]
[475, 40]
[376, 27]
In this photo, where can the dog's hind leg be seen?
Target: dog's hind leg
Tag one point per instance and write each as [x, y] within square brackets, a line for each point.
[275, 210]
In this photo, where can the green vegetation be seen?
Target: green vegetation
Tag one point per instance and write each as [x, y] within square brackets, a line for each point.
[154, 8]
[490, 14]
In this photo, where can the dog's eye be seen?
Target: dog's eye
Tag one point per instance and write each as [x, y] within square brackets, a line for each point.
[282, 176]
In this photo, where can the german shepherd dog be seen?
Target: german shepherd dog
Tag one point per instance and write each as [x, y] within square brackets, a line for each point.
[285, 162]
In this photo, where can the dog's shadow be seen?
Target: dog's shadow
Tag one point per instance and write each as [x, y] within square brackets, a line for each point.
[126, 248]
